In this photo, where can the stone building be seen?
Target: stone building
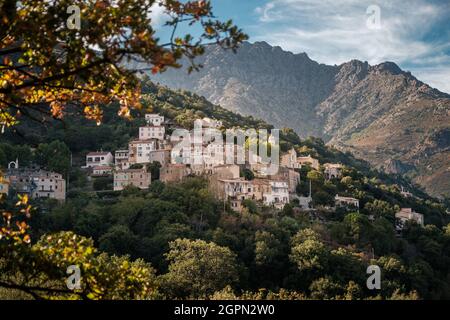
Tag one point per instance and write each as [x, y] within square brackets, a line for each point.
[139, 178]
[332, 170]
[407, 214]
[37, 183]
[288, 175]
[161, 155]
[173, 172]
[314, 163]
[289, 160]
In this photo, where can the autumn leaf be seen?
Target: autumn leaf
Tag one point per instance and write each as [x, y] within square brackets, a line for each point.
[63, 71]
[210, 30]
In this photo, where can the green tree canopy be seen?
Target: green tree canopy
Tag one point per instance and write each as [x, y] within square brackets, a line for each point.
[54, 156]
[40, 270]
[198, 268]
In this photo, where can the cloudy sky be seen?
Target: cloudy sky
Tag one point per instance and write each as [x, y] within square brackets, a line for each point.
[415, 34]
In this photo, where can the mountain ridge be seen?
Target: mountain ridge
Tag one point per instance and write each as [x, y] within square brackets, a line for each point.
[379, 112]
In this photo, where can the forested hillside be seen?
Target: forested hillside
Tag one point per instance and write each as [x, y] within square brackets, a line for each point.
[193, 246]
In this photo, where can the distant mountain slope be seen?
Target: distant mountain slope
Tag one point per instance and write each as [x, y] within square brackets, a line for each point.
[380, 113]
[262, 81]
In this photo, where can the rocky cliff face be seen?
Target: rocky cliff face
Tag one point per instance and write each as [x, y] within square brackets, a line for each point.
[380, 113]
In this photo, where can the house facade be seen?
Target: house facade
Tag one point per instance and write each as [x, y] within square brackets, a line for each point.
[37, 183]
[332, 170]
[226, 171]
[237, 189]
[289, 160]
[269, 193]
[308, 160]
[154, 119]
[139, 178]
[161, 155]
[94, 159]
[152, 132]
[288, 175]
[408, 214]
[121, 161]
[139, 151]
[173, 172]
[278, 196]
[346, 201]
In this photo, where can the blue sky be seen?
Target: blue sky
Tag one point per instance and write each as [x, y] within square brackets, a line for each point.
[415, 34]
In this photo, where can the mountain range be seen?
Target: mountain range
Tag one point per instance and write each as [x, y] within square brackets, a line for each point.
[380, 113]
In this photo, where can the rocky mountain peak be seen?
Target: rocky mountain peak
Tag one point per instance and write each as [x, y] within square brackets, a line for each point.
[388, 67]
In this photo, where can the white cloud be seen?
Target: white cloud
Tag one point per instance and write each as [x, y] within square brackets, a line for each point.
[334, 32]
[157, 15]
[264, 11]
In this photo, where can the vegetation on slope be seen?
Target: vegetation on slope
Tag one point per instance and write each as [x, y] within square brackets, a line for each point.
[181, 229]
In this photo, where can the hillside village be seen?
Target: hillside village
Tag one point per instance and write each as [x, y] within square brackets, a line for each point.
[235, 184]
